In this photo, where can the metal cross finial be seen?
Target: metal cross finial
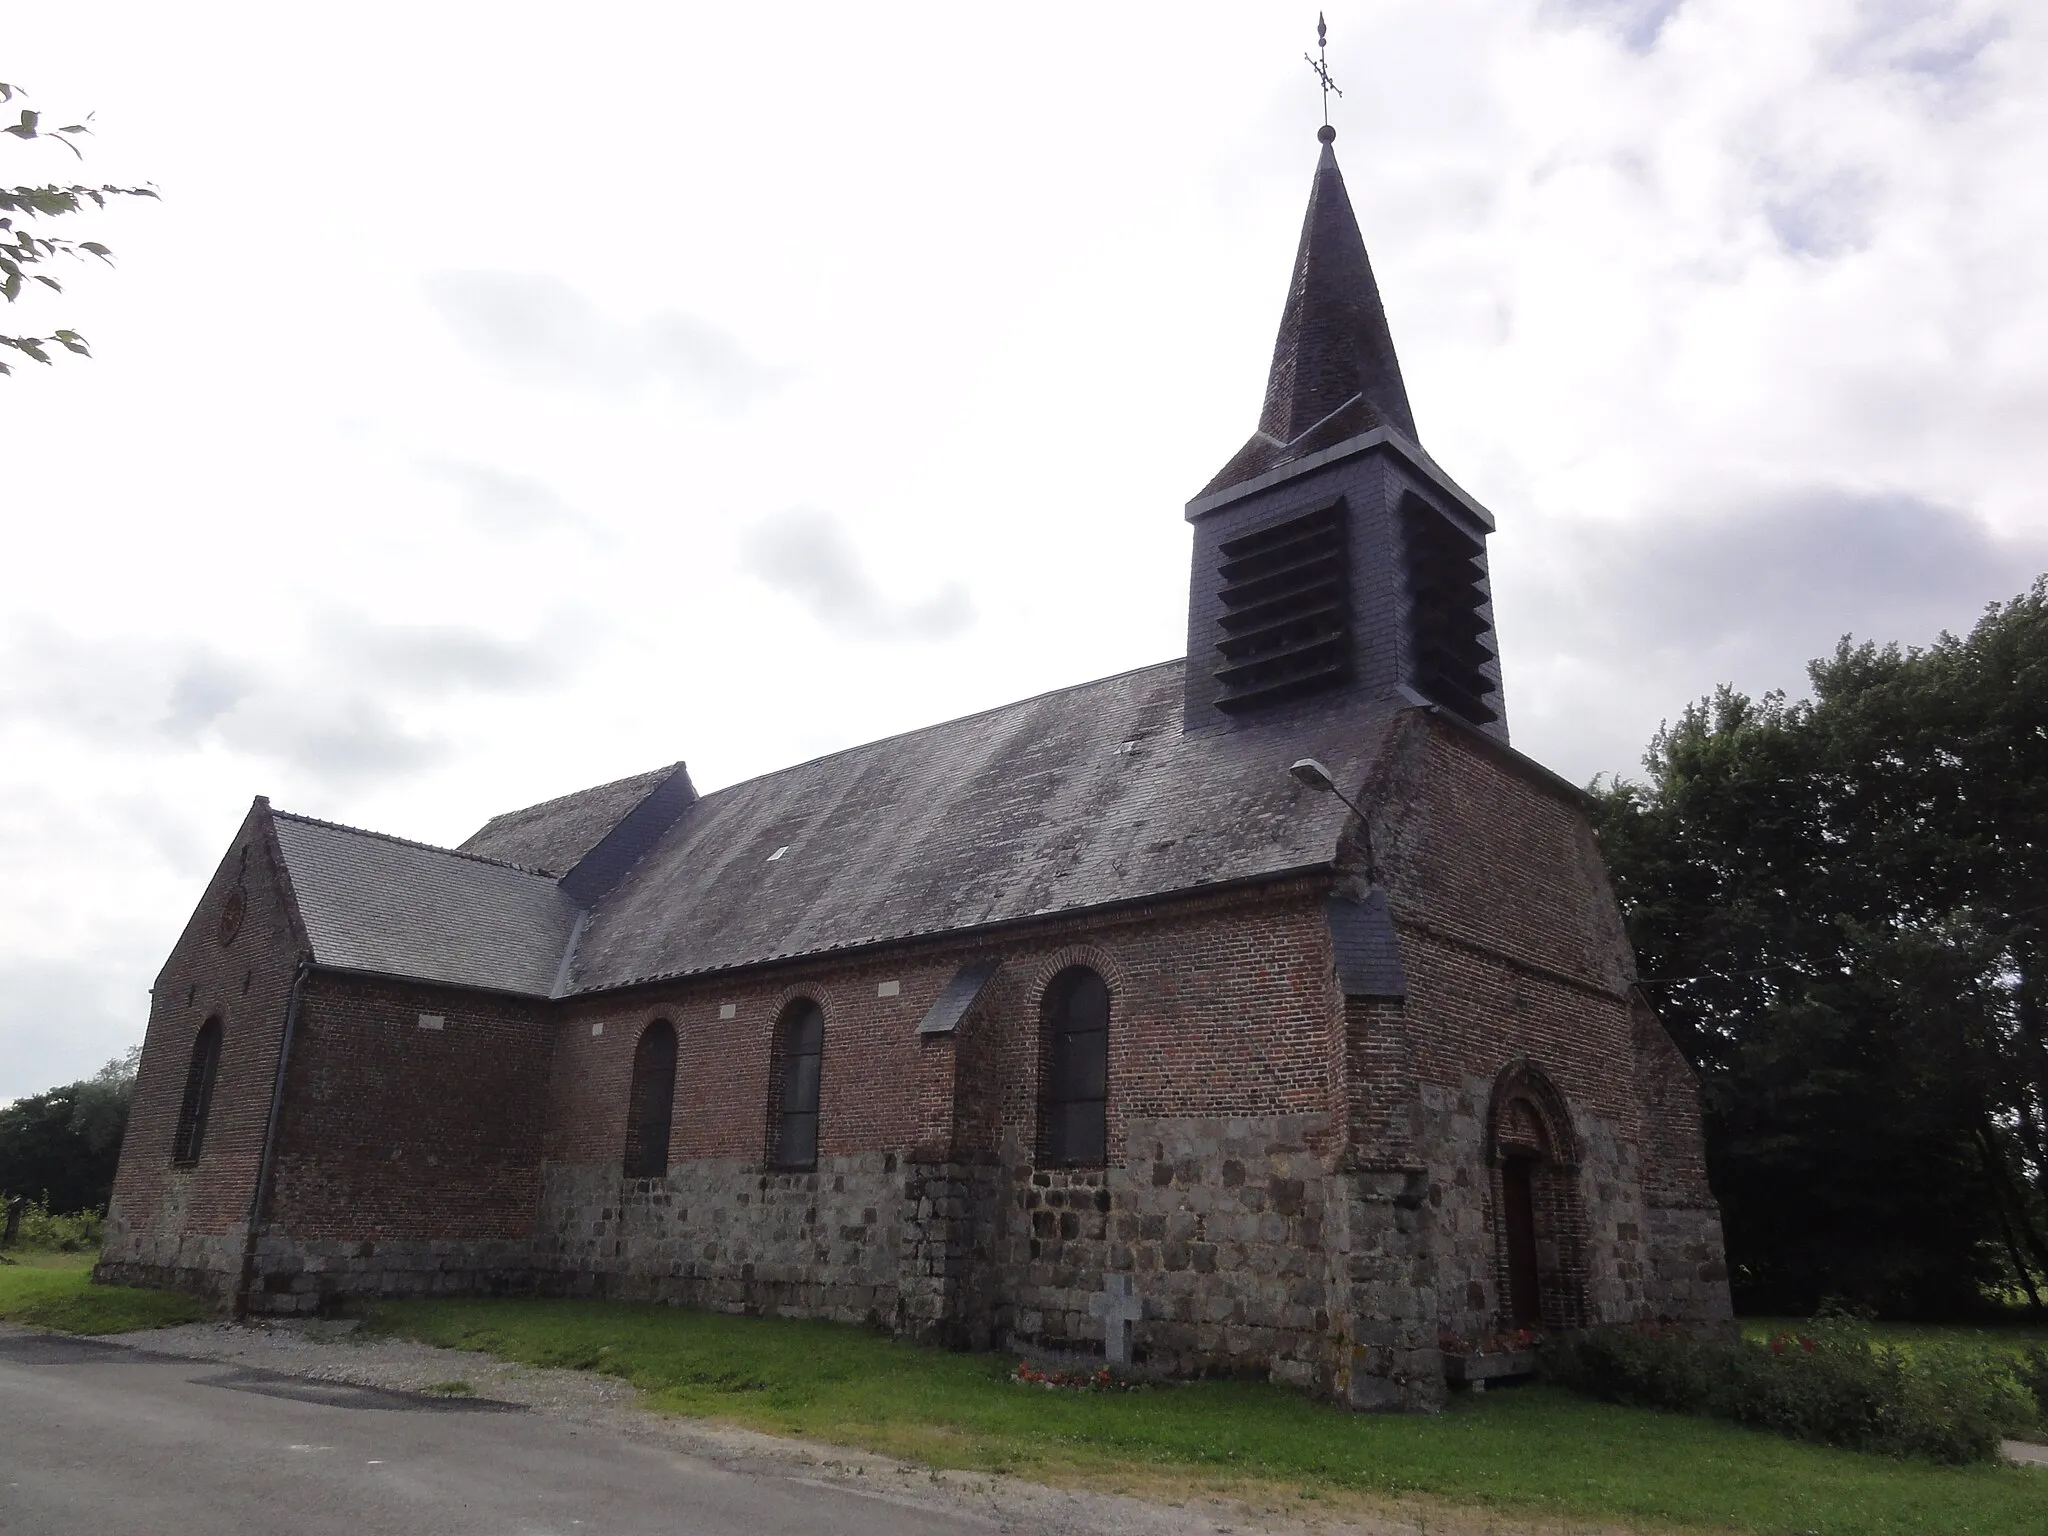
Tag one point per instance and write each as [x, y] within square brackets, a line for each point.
[1320, 64]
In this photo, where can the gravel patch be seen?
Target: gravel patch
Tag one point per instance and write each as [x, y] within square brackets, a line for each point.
[322, 1350]
[329, 1351]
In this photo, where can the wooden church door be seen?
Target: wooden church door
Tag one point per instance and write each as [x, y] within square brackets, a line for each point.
[1525, 1293]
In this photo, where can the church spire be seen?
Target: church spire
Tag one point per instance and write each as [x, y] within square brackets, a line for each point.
[1333, 342]
[1334, 372]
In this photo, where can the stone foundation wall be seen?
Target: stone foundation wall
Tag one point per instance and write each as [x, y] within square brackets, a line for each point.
[1621, 1258]
[208, 1266]
[1616, 1220]
[291, 1275]
[1384, 1281]
[948, 1286]
[1220, 1221]
[729, 1235]
[1687, 1269]
[1589, 1233]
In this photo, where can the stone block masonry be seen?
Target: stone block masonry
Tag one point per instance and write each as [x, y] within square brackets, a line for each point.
[1220, 1221]
[731, 1237]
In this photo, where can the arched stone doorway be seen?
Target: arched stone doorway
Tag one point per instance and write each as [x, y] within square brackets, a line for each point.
[1539, 1218]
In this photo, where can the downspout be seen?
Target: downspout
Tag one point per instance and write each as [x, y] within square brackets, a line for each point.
[261, 1194]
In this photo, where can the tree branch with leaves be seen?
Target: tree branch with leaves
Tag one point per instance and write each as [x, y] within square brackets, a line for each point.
[23, 249]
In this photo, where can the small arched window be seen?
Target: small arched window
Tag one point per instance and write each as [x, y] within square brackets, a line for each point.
[651, 1102]
[199, 1077]
[1075, 1108]
[796, 1099]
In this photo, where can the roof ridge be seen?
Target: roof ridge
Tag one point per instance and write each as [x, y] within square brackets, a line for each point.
[589, 789]
[413, 842]
[919, 730]
[1335, 411]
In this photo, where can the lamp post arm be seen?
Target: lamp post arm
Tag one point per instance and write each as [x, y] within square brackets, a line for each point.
[1372, 872]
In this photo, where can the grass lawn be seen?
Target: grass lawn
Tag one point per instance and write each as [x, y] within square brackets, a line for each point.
[55, 1290]
[1529, 1450]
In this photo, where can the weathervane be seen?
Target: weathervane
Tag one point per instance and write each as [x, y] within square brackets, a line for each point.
[1320, 64]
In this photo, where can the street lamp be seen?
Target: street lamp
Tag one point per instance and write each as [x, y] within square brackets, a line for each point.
[1312, 773]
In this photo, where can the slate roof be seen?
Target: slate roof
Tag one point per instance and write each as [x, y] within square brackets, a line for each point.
[958, 995]
[1078, 798]
[397, 908]
[1366, 947]
[555, 834]
[1334, 373]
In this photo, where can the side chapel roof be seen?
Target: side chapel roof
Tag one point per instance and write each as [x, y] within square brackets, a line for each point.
[555, 834]
[398, 908]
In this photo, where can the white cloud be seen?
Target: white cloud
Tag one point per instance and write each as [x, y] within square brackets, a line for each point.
[809, 555]
[541, 327]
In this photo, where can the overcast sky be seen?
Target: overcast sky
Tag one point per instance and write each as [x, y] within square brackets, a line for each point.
[507, 398]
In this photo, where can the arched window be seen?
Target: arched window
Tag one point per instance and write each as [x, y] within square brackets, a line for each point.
[796, 1099]
[199, 1078]
[651, 1102]
[1075, 1106]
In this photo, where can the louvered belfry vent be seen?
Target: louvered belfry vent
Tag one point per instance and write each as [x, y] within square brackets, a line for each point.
[1285, 625]
[1447, 625]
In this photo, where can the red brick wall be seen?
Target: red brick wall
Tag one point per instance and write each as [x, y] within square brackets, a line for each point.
[1489, 852]
[393, 1132]
[1510, 935]
[1675, 1160]
[1219, 1006]
[1470, 1015]
[868, 1091]
[159, 1209]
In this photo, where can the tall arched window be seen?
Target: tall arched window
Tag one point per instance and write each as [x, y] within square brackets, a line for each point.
[796, 1099]
[1075, 1104]
[651, 1101]
[199, 1076]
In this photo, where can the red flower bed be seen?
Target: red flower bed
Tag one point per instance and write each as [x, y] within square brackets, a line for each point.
[1101, 1379]
[1489, 1343]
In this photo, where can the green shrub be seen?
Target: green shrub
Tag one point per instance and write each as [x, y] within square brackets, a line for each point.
[43, 1233]
[1831, 1385]
[2032, 1370]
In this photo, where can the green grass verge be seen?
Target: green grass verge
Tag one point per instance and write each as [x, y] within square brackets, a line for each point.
[1530, 1450]
[56, 1291]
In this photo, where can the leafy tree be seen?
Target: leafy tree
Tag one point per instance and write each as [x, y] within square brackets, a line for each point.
[22, 250]
[60, 1148]
[1839, 905]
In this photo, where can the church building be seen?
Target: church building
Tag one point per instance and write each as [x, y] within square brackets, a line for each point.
[1263, 1012]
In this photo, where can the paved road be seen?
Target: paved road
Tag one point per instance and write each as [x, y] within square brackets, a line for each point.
[98, 1440]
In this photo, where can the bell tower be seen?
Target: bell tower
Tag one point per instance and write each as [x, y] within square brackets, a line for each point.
[1334, 562]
